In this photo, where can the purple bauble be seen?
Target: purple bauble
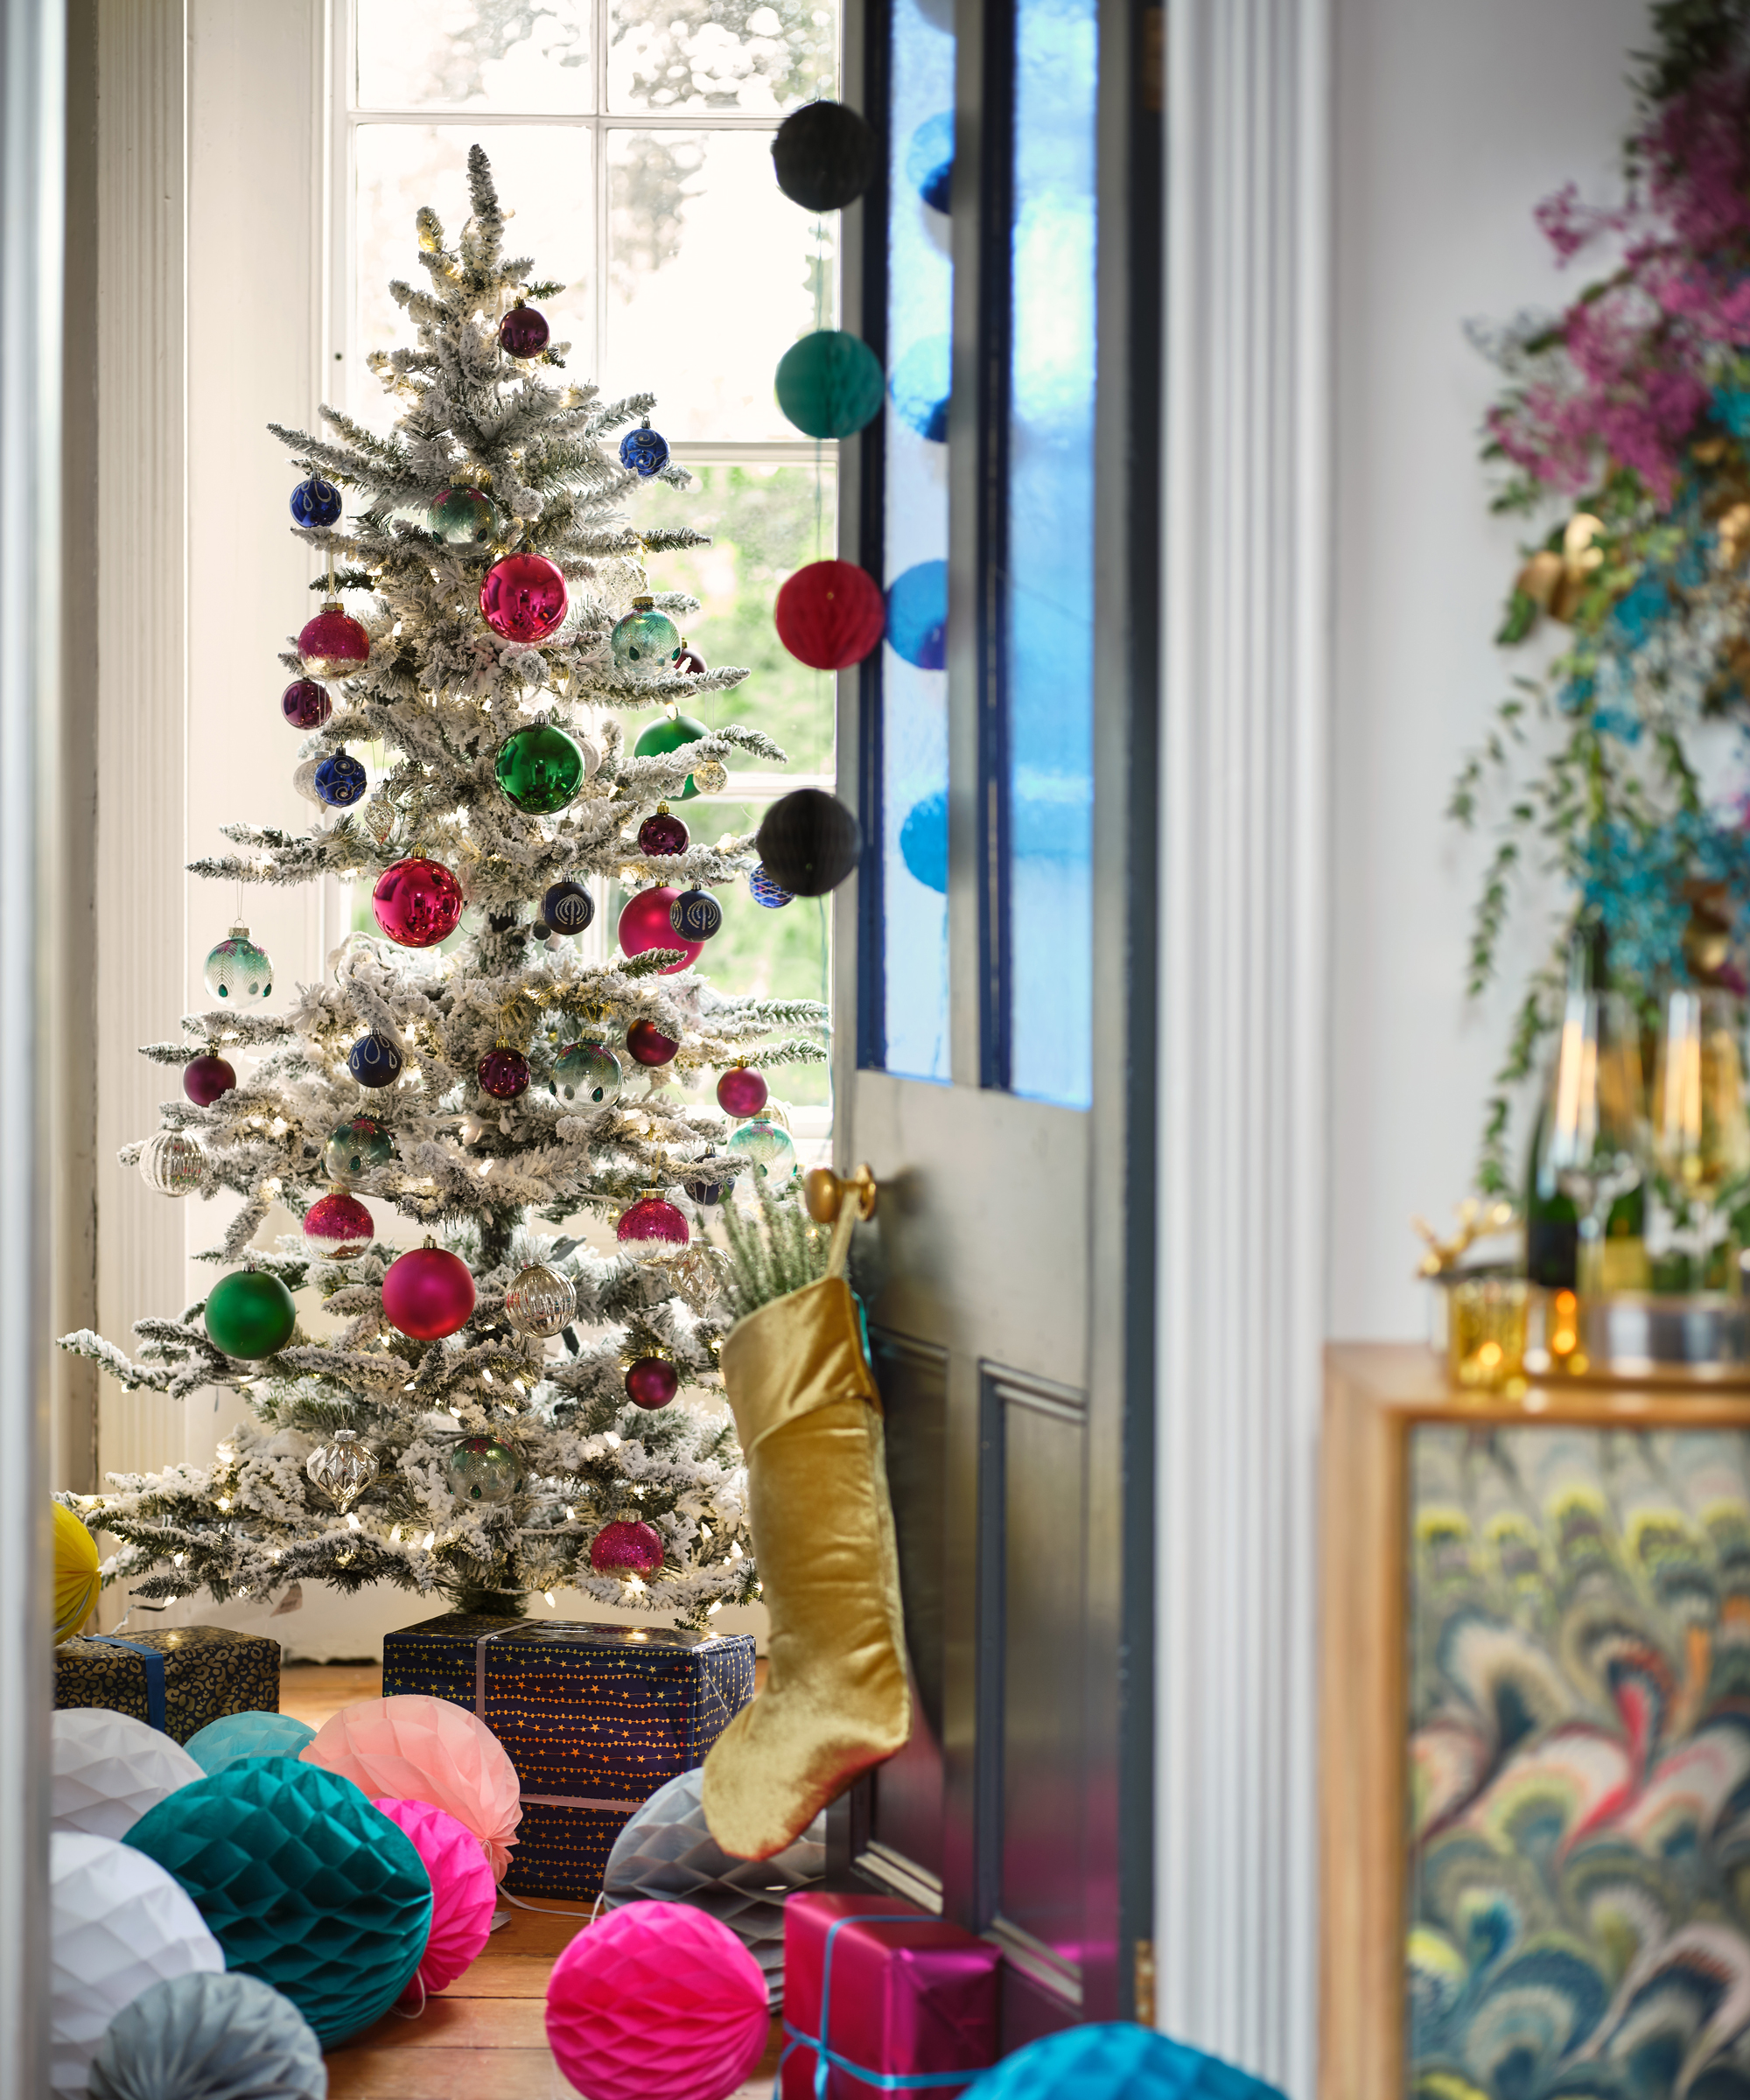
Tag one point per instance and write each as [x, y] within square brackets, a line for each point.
[503, 1073]
[652, 1383]
[304, 704]
[524, 331]
[416, 902]
[648, 1044]
[741, 1092]
[523, 598]
[626, 1549]
[652, 1218]
[204, 1079]
[662, 834]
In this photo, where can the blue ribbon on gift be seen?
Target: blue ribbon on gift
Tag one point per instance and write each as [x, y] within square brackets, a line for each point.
[827, 2060]
[156, 1708]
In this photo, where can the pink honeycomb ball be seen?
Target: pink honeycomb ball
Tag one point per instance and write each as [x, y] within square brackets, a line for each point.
[463, 1895]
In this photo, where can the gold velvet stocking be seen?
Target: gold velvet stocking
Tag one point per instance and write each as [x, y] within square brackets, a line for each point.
[835, 1699]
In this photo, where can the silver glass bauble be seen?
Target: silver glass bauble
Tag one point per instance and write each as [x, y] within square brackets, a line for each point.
[481, 1469]
[380, 818]
[343, 1468]
[172, 1163]
[710, 776]
[304, 781]
[539, 1302]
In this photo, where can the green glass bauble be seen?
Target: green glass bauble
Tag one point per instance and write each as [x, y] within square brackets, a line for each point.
[250, 1314]
[829, 383]
[539, 768]
[356, 1146]
[668, 734]
[769, 1147]
[483, 1470]
[645, 642]
[588, 1073]
[463, 516]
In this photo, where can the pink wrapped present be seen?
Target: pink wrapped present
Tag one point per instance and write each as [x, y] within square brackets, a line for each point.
[881, 1999]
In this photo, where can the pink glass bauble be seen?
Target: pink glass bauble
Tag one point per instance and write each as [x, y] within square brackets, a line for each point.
[657, 1998]
[339, 1226]
[523, 597]
[503, 1073]
[662, 834]
[647, 1043]
[741, 1092]
[205, 1079]
[417, 903]
[428, 1294]
[332, 645]
[627, 1549]
[652, 1381]
[304, 704]
[415, 1748]
[652, 1218]
[464, 1894]
[644, 923]
[524, 331]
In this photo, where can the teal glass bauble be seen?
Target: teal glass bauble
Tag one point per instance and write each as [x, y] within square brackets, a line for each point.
[767, 1144]
[668, 734]
[302, 1882]
[250, 1314]
[539, 768]
[645, 642]
[829, 383]
[589, 1073]
[356, 1146]
[463, 516]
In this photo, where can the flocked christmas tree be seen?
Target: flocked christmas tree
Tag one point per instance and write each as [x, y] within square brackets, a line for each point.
[497, 1415]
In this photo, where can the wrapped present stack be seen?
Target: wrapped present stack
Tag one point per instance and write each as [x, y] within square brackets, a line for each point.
[177, 1680]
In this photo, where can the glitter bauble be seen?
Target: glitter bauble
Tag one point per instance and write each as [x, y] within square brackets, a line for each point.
[645, 923]
[305, 704]
[645, 451]
[652, 1221]
[769, 1146]
[205, 1079]
[464, 517]
[772, 894]
[523, 598]
[646, 642]
[316, 502]
[342, 1469]
[709, 776]
[249, 1314]
[539, 769]
[648, 1044]
[503, 1073]
[662, 835]
[483, 1470]
[627, 1549]
[428, 1294]
[379, 817]
[375, 1061]
[332, 645]
[567, 908]
[417, 903]
[338, 1227]
[694, 915]
[741, 1092]
[341, 780]
[237, 971]
[172, 1163]
[524, 331]
[357, 1146]
[539, 1302]
[587, 1072]
[652, 1383]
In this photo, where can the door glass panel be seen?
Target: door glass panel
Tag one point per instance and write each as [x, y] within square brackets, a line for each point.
[1049, 637]
[913, 796]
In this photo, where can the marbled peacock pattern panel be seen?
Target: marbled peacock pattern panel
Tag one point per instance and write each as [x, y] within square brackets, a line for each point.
[1579, 1765]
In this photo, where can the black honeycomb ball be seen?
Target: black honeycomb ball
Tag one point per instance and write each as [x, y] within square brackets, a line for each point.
[808, 842]
[824, 155]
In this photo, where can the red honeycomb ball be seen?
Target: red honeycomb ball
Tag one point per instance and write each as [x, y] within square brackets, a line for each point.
[417, 903]
[829, 614]
[504, 1072]
[523, 597]
[740, 1092]
[648, 1044]
[204, 1079]
[635, 1548]
[428, 1294]
[652, 1381]
[645, 923]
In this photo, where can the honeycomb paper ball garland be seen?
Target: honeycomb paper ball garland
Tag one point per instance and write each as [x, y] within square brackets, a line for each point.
[237, 971]
[646, 921]
[428, 1294]
[523, 598]
[824, 156]
[808, 842]
[250, 1314]
[304, 704]
[202, 2037]
[539, 769]
[375, 1061]
[462, 517]
[118, 1923]
[829, 614]
[829, 383]
[332, 645]
[416, 902]
[1115, 2060]
[629, 1547]
[656, 1997]
[316, 502]
[207, 1078]
[239, 1735]
[77, 1578]
[343, 1468]
[109, 1768]
[463, 1895]
[644, 451]
[302, 1883]
[172, 1163]
[523, 333]
[356, 1146]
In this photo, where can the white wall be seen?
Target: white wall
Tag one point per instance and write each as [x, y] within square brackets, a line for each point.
[1452, 121]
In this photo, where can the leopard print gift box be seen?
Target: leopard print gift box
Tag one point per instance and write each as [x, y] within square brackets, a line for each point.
[178, 1680]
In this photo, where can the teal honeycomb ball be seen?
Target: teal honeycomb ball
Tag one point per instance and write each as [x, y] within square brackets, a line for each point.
[234, 1735]
[1115, 2060]
[302, 1882]
[829, 383]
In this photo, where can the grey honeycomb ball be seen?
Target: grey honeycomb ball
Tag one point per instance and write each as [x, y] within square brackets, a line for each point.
[209, 2037]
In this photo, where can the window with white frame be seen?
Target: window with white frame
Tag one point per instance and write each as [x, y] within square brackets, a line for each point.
[631, 141]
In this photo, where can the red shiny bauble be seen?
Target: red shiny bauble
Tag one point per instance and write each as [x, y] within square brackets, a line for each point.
[829, 614]
[524, 331]
[652, 1381]
[339, 1226]
[428, 1294]
[503, 1074]
[626, 1550]
[523, 597]
[662, 834]
[740, 1092]
[203, 1078]
[644, 923]
[304, 704]
[417, 903]
[652, 1218]
[332, 645]
[648, 1044]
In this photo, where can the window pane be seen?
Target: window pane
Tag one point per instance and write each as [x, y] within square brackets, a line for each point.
[542, 174]
[765, 521]
[915, 553]
[749, 55]
[531, 57]
[1050, 626]
[712, 274]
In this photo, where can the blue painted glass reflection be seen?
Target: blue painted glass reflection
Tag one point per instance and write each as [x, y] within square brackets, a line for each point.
[913, 682]
[1050, 603]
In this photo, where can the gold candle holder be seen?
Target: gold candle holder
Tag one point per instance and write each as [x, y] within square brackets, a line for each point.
[1486, 1331]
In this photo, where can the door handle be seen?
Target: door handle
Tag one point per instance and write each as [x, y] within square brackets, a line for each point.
[824, 1192]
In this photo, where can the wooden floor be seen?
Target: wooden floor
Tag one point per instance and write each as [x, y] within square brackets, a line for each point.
[485, 2039]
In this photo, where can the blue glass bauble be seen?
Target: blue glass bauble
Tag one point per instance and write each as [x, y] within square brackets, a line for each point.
[567, 908]
[375, 1061]
[239, 1735]
[316, 502]
[341, 780]
[646, 451]
[1114, 2060]
[929, 160]
[917, 614]
[773, 895]
[696, 914]
[923, 841]
[920, 388]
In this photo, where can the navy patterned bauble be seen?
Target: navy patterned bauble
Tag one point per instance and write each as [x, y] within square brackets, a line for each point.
[662, 835]
[645, 451]
[568, 907]
[375, 1061]
[708, 1190]
[341, 781]
[696, 914]
[316, 502]
[773, 895]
